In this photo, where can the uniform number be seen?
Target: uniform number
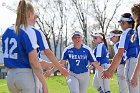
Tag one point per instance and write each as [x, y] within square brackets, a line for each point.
[77, 62]
[8, 53]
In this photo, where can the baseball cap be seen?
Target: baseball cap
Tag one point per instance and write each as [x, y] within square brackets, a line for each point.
[112, 34]
[96, 34]
[76, 33]
[126, 19]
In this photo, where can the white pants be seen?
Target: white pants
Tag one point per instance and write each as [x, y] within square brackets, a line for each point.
[23, 80]
[78, 83]
[121, 79]
[99, 82]
[129, 69]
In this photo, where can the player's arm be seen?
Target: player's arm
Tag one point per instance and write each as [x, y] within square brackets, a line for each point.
[93, 61]
[45, 64]
[49, 72]
[97, 65]
[53, 59]
[115, 62]
[37, 69]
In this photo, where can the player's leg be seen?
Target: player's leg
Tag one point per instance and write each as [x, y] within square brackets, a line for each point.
[83, 82]
[121, 79]
[104, 82]
[10, 81]
[73, 84]
[27, 81]
[96, 83]
[130, 66]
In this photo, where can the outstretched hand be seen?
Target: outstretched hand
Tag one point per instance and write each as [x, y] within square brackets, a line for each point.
[65, 72]
[134, 80]
[47, 73]
[107, 74]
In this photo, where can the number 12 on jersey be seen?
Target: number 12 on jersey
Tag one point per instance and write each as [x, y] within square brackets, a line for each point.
[8, 52]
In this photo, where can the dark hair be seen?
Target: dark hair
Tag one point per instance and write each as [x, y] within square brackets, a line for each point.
[104, 40]
[128, 15]
[116, 32]
[135, 9]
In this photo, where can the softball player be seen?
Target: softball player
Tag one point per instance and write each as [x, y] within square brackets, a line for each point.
[19, 45]
[78, 56]
[125, 44]
[115, 37]
[136, 15]
[43, 46]
[101, 54]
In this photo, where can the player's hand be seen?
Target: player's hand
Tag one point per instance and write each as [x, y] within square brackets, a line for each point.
[134, 80]
[47, 73]
[65, 72]
[50, 64]
[107, 74]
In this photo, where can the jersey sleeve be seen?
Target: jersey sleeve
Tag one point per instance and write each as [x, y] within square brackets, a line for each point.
[30, 40]
[41, 40]
[124, 41]
[99, 51]
[91, 56]
[64, 54]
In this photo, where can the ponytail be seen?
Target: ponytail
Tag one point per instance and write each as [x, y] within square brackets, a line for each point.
[104, 40]
[135, 9]
[21, 15]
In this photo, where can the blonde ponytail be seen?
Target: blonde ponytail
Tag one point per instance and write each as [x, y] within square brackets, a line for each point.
[21, 15]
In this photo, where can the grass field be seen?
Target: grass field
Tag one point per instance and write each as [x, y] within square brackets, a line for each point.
[57, 84]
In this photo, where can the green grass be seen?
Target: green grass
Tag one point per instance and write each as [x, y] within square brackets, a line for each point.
[57, 84]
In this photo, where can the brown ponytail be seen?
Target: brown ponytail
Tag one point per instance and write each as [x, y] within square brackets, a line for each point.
[136, 10]
[104, 40]
[21, 15]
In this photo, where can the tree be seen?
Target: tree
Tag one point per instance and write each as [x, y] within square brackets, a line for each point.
[52, 21]
[79, 6]
[101, 15]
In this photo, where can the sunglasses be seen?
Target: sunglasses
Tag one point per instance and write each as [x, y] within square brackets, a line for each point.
[120, 22]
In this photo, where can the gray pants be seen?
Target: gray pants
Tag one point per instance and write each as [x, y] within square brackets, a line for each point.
[98, 82]
[23, 80]
[129, 69]
[121, 79]
[78, 83]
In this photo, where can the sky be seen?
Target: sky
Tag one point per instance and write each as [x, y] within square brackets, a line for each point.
[8, 15]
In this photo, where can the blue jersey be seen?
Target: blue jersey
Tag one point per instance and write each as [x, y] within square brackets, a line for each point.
[16, 47]
[137, 38]
[78, 58]
[101, 53]
[126, 43]
[116, 50]
[41, 41]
